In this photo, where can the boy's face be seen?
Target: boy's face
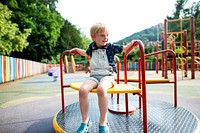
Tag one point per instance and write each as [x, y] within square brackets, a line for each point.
[101, 38]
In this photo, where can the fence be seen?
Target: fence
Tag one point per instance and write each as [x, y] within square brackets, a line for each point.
[15, 68]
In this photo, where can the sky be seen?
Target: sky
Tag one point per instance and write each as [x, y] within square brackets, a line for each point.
[123, 17]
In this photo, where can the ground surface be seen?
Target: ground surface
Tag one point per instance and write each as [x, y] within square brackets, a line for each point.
[29, 105]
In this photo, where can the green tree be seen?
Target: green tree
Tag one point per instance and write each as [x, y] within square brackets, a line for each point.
[49, 4]
[182, 12]
[85, 41]
[51, 34]
[45, 25]
[70, 37]
[11, 38]
[195, 11]
[179, 8]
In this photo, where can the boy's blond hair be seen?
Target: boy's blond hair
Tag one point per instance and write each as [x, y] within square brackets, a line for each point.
[98, 27]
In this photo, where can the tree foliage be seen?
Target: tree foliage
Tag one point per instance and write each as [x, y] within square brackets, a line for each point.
[182, 12]
[69, 37]
[179, 6]
[85, 41]
[11, 38]
[50, 35]
[46, 31]
[195, 11]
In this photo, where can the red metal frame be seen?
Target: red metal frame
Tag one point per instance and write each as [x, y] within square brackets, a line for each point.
[186, 52]
[119, 109]
[118, 69]
[156, 56]
[143, 79]
[174, 81]
[142, 76]
[192, 47]
[66, 52]
[165, 47]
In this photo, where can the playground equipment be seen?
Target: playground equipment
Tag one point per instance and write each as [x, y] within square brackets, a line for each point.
[70, 66]
[197, 57]
[117, 88]
[67, 119]
[170, 37]
[158, 81]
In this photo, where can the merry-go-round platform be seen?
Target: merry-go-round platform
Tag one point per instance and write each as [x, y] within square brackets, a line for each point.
[163, 117]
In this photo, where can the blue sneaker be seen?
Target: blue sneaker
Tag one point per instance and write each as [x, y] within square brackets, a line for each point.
[103, 129]
[84, 127]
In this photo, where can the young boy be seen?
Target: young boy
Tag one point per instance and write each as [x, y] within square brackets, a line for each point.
[102, 68]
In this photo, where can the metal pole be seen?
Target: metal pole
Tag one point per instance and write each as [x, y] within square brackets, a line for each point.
[192, 47]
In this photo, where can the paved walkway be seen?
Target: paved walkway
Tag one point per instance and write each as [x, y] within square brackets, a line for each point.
[29, 105]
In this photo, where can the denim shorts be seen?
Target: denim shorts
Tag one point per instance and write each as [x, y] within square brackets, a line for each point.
[98, 79]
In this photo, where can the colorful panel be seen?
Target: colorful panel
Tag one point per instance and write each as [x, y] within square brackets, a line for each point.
[1, 69]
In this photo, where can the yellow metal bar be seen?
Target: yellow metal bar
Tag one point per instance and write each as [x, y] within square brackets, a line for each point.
[181, 30]
[181, 45]
[185, 19]
[179, 19]
[175, 32]
[177, 42]
[173, 20]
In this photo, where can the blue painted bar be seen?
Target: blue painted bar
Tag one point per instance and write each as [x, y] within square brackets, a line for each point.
[14, 68]
[10, 68]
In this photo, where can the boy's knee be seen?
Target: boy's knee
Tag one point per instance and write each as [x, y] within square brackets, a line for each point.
[101, 91]
[83, 91]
